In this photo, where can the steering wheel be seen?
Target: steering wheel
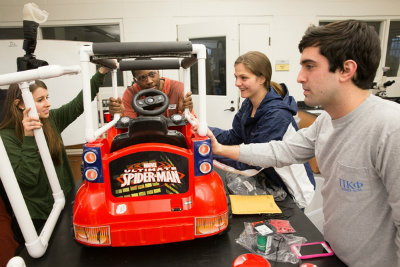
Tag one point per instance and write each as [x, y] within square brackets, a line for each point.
[153, 98]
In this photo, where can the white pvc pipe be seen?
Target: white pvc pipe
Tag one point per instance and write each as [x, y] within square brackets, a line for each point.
[58, 206]
[15, 197]
[186, 83]
[44, 72]
[92, 132]
[16, 261]
[114, 82]
[200, 50]
[85, 53]
[103, 129]
[42, 144]
[36, 245]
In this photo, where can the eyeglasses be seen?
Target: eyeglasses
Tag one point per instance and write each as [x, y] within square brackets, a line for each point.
[143, 78]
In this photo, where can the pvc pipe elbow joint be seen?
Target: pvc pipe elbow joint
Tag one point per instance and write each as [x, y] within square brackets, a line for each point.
[59, 199]
[85, 52]
[36, 249]
[200, 50]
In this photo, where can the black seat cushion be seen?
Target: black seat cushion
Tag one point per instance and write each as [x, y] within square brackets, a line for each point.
[148, 130]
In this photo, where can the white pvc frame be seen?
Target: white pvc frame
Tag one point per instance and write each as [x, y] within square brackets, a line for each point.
[35, 245]
[93, 132]
[201, 52]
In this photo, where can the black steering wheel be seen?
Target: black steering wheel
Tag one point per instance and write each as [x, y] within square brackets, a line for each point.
[153, 98]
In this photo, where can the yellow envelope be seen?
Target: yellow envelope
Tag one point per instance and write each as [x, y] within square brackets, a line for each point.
[253, 204]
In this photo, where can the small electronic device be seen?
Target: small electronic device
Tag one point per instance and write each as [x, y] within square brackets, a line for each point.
[311, 250]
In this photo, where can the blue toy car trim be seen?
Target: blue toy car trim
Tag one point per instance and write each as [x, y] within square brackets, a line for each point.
[96, 165]
[200, 157]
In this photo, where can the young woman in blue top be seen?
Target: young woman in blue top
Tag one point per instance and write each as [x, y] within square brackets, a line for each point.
[265, 114]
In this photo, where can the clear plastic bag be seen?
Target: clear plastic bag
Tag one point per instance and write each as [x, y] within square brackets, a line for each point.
[277, 248]
[242, 185]
[253, 185]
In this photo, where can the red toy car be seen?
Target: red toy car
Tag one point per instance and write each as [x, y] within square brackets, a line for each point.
[150, 181]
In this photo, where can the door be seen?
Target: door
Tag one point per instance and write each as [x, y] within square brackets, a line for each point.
[221, 40]
[254, 37]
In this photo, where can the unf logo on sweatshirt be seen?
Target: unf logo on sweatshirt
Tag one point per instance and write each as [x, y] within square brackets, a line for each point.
[350, 186]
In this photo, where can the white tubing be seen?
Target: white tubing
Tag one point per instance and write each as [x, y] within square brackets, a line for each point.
[91, 132]
[200, 50]
[103, 129]
[114, 82]
[35, 245]
[85, 53]
[59, 203]
[42, 143]
[44, 72]
[186, 83]
[15, 197]
[16, 261]
[39, 246]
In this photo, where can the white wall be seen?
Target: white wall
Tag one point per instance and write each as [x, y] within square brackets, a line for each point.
[153, 20]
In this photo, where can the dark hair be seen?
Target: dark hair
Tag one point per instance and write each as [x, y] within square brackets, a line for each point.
[259, 64]
[13, 119]
[347, 40]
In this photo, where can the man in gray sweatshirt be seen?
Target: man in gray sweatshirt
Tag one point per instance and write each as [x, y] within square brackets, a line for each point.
[356, 143]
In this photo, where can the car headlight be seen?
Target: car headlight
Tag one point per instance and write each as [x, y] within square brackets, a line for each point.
[205, 167]
[210, 225]
[204, 149]
[93, 235]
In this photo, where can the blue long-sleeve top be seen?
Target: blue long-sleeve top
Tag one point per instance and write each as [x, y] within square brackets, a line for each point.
[270, 122]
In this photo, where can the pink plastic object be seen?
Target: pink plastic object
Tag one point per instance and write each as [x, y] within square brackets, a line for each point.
[250, 260]
[296, 250]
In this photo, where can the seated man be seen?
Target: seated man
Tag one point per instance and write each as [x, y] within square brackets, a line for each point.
[147, 79]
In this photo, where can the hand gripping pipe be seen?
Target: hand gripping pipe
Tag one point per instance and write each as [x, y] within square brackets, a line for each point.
[103, 129]
[36, 245]
[92, 132]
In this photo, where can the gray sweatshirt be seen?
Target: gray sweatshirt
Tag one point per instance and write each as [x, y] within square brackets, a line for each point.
[358, 155]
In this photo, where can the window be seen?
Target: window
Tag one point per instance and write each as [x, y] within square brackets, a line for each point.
[91, 33]
[215, 66]
[94, 33]
[393, 49]
[11, 33]
[86, 33]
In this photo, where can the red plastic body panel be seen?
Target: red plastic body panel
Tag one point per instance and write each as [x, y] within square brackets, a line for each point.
[147, 220]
